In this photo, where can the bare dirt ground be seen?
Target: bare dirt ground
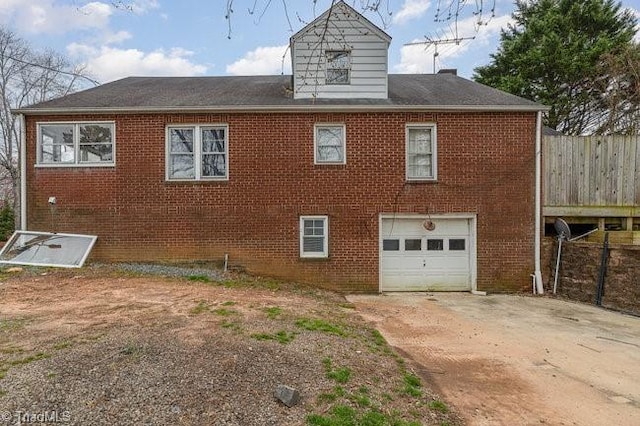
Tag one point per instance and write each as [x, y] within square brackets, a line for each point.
[104, 347]
[515, 360]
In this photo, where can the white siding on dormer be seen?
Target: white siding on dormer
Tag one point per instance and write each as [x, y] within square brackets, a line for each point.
[349, 31]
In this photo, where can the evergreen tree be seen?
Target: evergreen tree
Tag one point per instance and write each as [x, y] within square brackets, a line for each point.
[553, 55]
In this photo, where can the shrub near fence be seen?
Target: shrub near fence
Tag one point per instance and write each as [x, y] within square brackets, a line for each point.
[579, 269]
[7, 222]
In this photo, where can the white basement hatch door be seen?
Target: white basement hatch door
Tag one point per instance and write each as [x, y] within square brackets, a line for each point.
[47, 249]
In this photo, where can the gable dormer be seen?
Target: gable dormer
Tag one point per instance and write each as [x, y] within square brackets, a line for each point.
[341, 54]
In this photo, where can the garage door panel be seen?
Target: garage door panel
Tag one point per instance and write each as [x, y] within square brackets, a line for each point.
[415, 259]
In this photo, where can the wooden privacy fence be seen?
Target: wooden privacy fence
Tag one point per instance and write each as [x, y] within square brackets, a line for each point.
[591, 175]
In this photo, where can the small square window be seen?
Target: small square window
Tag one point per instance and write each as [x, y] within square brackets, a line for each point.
[391, 245]
[314, 236]
[457, 244]
[435, 244]
[330, 147]
[413, 244]
[338, 67]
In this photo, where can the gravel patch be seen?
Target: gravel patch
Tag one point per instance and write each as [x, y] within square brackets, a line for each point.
[170, 270]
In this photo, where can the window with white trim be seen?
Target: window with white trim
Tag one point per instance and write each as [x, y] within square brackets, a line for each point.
[74, 144]
[421, 158]
[314, 236]
[338, 67]
[197, 152]
[330, 146]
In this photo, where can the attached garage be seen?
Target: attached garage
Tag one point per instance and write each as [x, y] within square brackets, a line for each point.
[420, 253]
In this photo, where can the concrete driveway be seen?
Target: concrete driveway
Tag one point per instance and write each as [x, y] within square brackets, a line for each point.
[517, 360]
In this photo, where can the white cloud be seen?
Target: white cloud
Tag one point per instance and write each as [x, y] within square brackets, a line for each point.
[143, 6]
[417, 59]
[115, 38]
[46, 16]
[108, 63]
[411, 9]
[262, 61]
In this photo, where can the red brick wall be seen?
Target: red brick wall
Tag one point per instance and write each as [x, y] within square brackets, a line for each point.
[485, 166]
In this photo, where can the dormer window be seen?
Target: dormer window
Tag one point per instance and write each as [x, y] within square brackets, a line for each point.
[338, 66]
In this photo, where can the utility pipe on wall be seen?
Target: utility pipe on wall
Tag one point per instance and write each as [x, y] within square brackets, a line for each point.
[23, 173]
[538, 213]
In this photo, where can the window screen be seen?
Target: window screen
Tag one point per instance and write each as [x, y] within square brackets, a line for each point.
[313, 236]
[47, 249]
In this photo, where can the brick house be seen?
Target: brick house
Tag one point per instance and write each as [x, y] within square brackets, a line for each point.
[340, 175]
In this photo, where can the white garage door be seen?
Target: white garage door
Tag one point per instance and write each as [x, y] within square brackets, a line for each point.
[416, 259]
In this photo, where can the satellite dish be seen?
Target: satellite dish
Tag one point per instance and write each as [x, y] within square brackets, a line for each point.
[562, 229]
[564, 233]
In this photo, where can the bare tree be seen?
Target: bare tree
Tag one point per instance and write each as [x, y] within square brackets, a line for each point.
[619, 86]
[26, 77]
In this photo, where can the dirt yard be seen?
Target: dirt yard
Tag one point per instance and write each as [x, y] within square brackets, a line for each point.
[515, 360]
[101, 346]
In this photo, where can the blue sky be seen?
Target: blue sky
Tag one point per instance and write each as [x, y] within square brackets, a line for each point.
[190, 37]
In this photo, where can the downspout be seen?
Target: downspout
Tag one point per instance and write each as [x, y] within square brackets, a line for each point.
[23, 174]
[538, 213]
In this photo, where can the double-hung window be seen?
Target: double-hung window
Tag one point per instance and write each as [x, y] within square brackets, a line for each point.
[314, 236]
[330, 147]
[197, 152]
[338, 67]
[421, 158]
[76, 144]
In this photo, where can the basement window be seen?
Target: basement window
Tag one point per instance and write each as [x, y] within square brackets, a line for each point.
[76, 144]
[314, 236]
[47, 249]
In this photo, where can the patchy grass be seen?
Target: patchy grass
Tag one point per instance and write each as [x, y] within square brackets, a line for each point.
[62, 345]
[12, 324]
[412, 385]
[133, 349]
[340, 375]
[199, 278]
[316, 324]
[223, 312]
[235, 326]
[344, 415]
[228, 303]
[29, 359]
[437, 405]
[11, 350]
[273, 312]
[281, 336]
[200, 308]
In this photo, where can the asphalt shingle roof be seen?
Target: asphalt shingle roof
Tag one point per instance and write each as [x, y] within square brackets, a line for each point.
[264, 92]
